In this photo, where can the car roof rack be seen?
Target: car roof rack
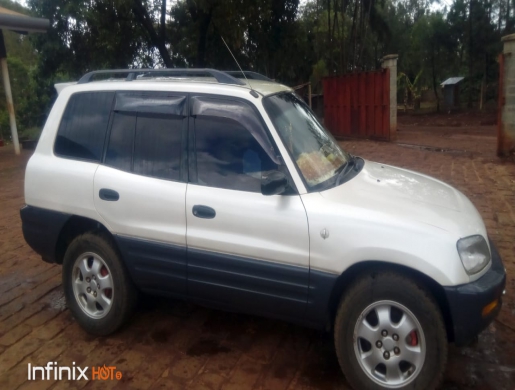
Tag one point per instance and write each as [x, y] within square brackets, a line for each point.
[132, 74]
[249, 74]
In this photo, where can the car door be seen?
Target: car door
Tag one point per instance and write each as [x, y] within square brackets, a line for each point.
[140, 188]
[246, 251]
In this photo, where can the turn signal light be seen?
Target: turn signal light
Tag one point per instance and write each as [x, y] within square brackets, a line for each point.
[488, 308]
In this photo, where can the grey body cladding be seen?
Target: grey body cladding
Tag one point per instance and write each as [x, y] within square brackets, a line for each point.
[155, 267]
[229, 282]
[248, 285]
[232, 283]
[41, 229]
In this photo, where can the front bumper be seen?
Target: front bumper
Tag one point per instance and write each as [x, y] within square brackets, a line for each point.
[467, 301]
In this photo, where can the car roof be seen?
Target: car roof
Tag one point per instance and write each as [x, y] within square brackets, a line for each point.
[263, 87]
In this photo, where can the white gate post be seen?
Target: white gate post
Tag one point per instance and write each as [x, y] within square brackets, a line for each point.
[390, 61]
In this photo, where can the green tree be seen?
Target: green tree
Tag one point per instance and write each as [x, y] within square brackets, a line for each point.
[22, 60]
[284, 39]
[432, 44]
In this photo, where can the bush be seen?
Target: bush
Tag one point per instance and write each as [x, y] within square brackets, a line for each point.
[31, 133]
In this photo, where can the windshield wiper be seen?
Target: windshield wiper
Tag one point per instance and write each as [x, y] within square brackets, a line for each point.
[345, 168]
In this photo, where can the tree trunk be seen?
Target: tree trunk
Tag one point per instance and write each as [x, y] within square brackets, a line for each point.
[435, 90]
[336, 28]
[329, 41]
[364, 37]
[499, 21]
[360, 33]
[205, 21]
[342, 39]
[471, 50]
[141, 14]
[507, 25]
[198, 15]
[352, 54]
[317, 48]
[406, 95]
[162, 25]
[483, 85]
[328, 21]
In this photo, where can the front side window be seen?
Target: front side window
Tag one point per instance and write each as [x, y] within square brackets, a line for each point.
[231, 145]
[146, 135]
[82, 130]
[316, 153]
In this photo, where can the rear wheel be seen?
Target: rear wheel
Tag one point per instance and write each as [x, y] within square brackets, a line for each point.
[97, 286]
[389, 333]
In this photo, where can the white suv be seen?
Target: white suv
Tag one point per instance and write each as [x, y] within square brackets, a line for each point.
[197, 185]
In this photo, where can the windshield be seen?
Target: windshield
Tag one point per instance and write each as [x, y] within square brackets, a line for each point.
[316, 153]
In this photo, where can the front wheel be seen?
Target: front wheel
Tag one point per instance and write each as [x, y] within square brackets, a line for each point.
[389, 334]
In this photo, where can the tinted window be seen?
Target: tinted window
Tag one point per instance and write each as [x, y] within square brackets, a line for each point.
[228, 155]
[83, 126]
[119, 151]
[146, 135]
[157, 151]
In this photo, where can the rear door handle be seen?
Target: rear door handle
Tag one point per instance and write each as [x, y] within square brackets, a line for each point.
[206, 212]
[108, 195]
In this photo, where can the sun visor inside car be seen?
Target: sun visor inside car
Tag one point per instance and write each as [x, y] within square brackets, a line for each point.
[237, 111]
[157, 103]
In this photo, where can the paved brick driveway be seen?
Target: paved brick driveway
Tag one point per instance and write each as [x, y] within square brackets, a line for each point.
[171, 344]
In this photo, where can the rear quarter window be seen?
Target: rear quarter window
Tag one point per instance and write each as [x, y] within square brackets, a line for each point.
[83, 127]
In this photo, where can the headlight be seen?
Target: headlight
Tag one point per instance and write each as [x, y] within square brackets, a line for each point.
[474, 253]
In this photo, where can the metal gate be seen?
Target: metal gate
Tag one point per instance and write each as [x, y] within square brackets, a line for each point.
[358, 105]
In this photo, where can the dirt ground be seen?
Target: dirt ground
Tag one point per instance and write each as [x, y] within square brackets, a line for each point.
[457, 133]
[170, 344]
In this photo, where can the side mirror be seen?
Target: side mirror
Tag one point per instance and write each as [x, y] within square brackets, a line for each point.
[273, 183]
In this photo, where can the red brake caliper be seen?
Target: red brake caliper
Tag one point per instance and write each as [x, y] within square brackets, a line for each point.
[104, 272]
[413, 338]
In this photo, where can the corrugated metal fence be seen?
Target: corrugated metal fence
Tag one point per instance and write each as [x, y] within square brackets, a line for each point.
[357, 105]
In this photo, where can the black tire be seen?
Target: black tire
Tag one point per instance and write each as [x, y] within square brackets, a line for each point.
[124, 297]
[389, 286]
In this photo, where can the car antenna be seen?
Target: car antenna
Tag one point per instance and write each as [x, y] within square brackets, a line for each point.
[252, 92]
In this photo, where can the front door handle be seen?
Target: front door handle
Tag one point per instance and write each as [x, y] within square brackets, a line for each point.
[206, 212]
[108, 195]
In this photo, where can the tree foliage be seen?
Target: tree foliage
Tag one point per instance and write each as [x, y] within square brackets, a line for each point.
[288, 40]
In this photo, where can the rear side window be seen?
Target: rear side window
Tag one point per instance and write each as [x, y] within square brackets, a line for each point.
[83, 127]
[147, 134]
[119, 151]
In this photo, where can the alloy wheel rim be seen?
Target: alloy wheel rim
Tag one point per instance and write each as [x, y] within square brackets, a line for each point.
[389, 344]
[92, 285]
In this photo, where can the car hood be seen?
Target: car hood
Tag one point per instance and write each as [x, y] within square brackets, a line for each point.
[402, 194]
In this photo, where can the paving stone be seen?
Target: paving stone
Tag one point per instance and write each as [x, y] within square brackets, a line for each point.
[174, 345]
[244, 375]
[15, 334]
